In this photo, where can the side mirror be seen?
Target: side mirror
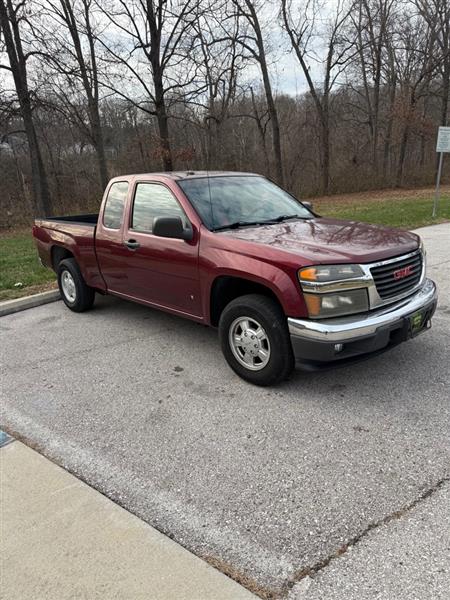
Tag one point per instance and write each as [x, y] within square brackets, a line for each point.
[307, 204]
[171, 227]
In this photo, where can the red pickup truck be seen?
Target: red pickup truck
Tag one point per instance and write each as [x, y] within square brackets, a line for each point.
[233, 250]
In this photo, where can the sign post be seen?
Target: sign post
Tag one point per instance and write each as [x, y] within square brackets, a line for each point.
[442, 145]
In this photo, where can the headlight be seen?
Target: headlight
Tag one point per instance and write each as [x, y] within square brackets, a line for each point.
[325, 273]
[334, 290]
[336, 305]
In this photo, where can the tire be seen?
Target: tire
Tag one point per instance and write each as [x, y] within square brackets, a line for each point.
[264, 356]
[75, 293]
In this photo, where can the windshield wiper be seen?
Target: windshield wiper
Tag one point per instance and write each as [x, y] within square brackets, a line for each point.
[285, 218]
[281, 218]
[237, 224]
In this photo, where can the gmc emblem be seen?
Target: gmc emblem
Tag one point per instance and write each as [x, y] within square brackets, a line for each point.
[401, 273]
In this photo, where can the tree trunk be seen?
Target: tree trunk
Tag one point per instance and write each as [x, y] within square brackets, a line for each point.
[58, 201]
[11, 34]
[163, 127]
[326, 158]
[376, 111]
[275, 135]
[445, 98]
[402, 155]
[325, 143]
[423, 140]
[262, 138]
[38, 174]
[272, 110]
[446, 70]
[388, 137]
[274, 122]
[161, 117]
[97, 138]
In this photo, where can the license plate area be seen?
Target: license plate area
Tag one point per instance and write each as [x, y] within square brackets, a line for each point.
[417, 322]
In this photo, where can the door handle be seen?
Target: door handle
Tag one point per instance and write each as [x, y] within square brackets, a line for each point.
[132, 244]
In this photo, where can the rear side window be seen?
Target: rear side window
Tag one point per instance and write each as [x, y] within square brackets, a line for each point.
[115, 203]
[153, 200]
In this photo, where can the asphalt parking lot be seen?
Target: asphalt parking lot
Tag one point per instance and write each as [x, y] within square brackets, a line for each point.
[267, 484]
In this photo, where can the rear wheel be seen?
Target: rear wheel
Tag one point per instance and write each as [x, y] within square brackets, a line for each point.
[255, 340]
[76, 294]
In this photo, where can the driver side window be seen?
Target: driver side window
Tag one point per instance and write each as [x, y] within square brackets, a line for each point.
[115, 204]
[153, 200]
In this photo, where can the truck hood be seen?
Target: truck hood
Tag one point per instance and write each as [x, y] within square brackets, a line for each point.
[323, 240]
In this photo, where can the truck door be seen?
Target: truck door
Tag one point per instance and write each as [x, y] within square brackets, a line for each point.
[161, 271]
[112, 255]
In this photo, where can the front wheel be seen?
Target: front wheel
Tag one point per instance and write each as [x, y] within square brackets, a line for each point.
[75, 293]
[255, 340]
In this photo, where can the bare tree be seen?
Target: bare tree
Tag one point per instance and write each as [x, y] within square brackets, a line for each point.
[153, 39]
[13, 22]
[219, 64]
[373, 22]
[301, 26]
[66, 42]
[391, 80]
[252, 40]
[416, 63]
[436, 13]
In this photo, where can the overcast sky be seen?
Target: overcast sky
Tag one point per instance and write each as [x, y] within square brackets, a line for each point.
[286, 73]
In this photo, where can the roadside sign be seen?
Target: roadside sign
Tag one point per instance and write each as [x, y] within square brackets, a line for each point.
[442, 145]
[443, 140]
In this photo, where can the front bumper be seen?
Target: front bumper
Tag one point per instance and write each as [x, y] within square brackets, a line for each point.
[316, 344]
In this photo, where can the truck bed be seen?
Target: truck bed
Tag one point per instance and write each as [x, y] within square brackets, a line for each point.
[89, 219]
[69, 236]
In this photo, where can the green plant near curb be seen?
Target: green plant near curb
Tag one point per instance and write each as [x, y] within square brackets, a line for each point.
[19, 264]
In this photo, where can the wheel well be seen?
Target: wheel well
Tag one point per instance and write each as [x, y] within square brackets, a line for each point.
[58, 254]
[225, 289]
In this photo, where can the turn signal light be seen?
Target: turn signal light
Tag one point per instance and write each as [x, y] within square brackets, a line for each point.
[310, 274]
[314, 303]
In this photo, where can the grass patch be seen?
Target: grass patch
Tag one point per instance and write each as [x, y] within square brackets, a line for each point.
[404, 212]
[19, 264]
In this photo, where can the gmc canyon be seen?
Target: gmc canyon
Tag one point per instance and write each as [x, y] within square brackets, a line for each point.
[284, 286]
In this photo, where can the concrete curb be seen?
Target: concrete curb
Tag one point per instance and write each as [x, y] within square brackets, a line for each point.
[443, 225]
[11, 306]
[65, 540]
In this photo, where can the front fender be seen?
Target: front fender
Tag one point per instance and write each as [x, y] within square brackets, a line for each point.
[278, 281]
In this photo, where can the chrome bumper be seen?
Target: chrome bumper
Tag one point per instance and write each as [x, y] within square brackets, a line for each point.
[357, 326]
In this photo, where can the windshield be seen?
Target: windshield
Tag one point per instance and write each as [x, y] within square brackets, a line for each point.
[239, 200]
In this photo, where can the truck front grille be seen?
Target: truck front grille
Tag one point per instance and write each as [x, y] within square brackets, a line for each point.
[399, 276]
